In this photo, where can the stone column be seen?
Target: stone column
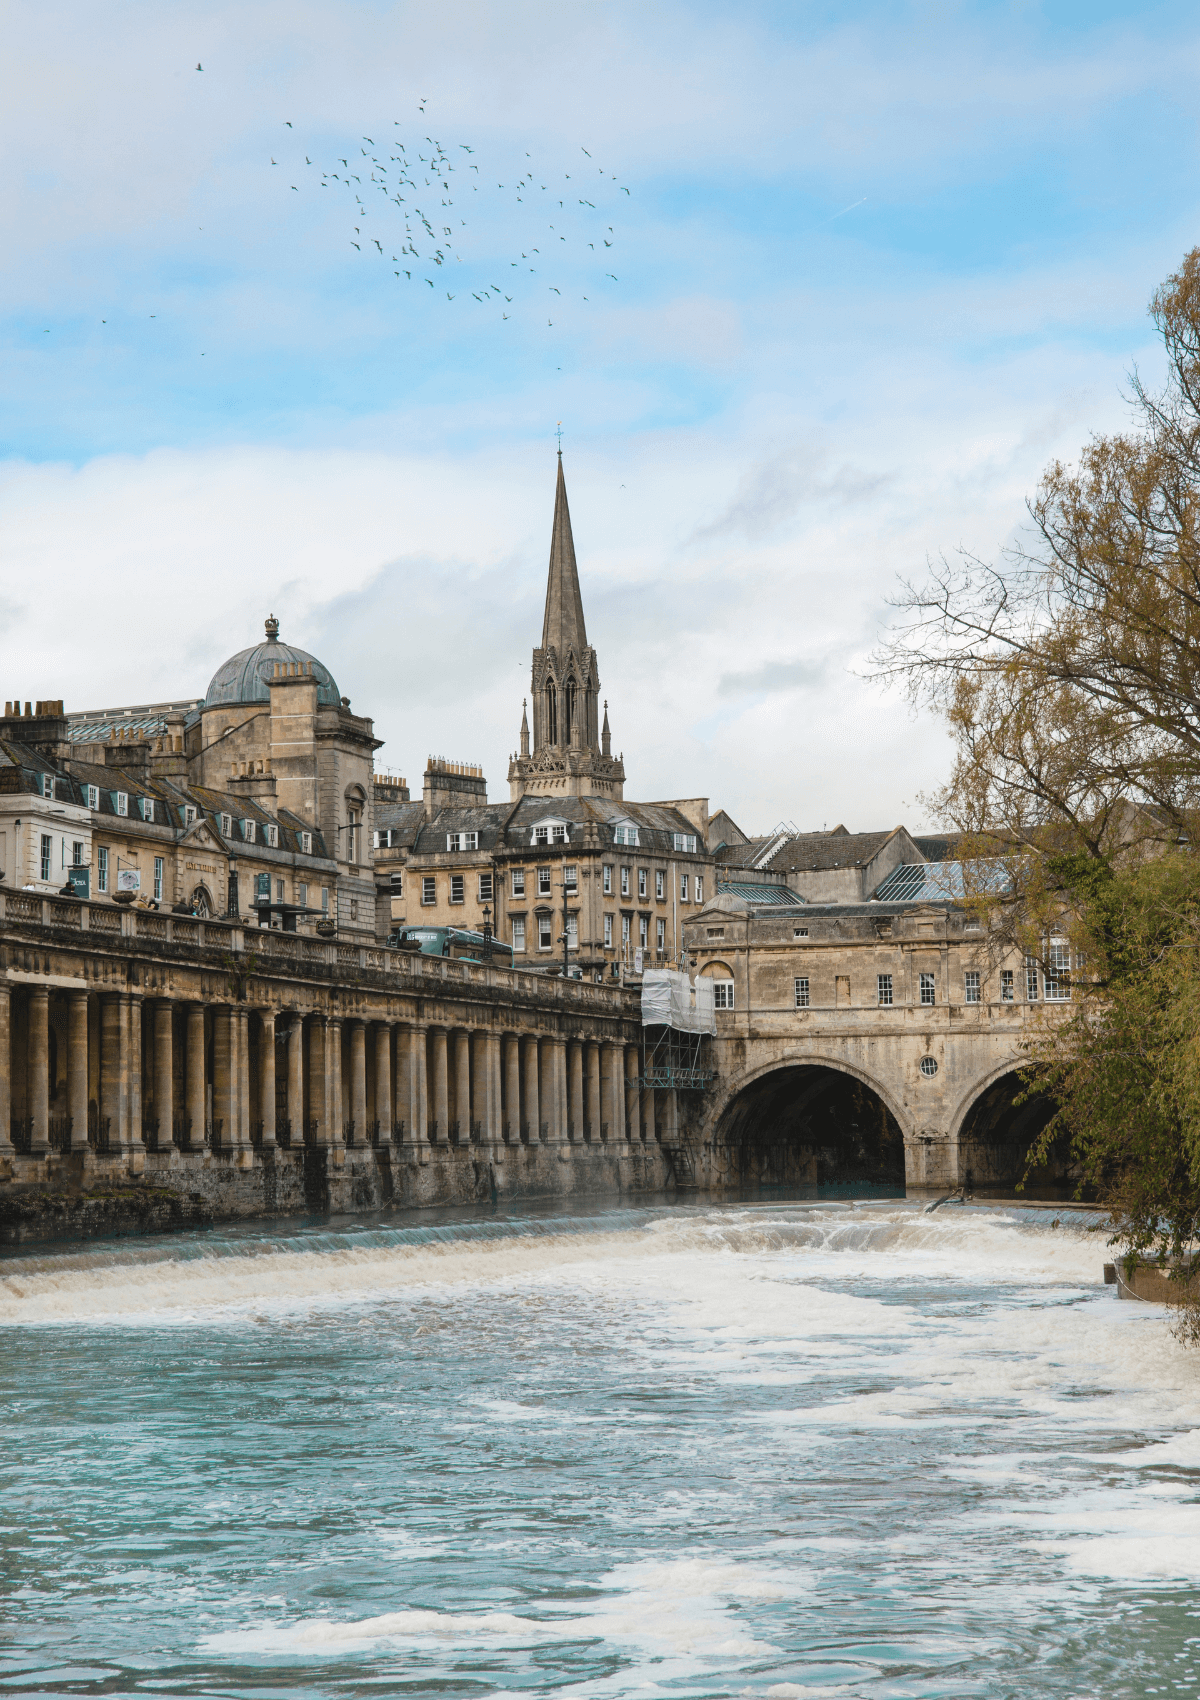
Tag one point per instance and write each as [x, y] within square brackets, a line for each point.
[383, 1081]
[77, 1068]
[37, 1070]
[358, 1081]
[616, 1093]
[649, 1126]
[441, 1087]
[224, 1115]
[512, 1086]
[335, 1110]
[241, 1031]
[592, 1091]
[6, 1144]
[462, 1086]
[133, 1017]
[419, 1076]
[558, 1121]
[533, 1120]
[317, 1115]
[575, 1093]
[114, 1086]
[490, 1059]
[295, 1081]
[266, 1076]
[164, 1074]
[671, 1131]
[197, 1103]
[632, 1095]
[404, 1111]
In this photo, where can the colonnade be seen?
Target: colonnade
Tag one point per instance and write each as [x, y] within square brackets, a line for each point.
[142, 1071]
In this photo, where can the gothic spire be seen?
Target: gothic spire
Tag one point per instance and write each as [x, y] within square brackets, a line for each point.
[563, 627]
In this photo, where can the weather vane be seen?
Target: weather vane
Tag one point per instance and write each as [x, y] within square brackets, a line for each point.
[558, 434]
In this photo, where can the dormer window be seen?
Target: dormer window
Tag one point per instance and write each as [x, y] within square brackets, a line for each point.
[93, 796]
[626, 833]
[273, 836]
[226, 826]
[547, 832]
[189, 815]
[541, 835]
[248, 832]
[462, 841]
[685, 842]
[306, 843]
[121, 802]
[148, 808]
[47, 785]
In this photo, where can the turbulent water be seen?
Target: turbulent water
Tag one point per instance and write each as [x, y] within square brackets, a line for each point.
[788, 1451]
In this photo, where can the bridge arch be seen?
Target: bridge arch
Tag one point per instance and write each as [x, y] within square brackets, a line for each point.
[993, 1133]
[807, 1118]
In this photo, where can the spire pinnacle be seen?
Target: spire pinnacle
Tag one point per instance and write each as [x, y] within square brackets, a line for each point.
[563, 628]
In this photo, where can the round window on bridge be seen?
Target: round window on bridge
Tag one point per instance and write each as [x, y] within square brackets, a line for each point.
[929, 1065]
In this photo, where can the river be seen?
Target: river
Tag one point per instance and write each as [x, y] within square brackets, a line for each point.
[780, 1450]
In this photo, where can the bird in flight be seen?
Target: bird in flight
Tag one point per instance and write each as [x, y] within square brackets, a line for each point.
[199, 66]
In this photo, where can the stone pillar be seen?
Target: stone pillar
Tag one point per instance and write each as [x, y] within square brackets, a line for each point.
[77, 1068]
[224, 1112]
[317, 1113]
[632, 1094]
[558, 1120]
[419, 1075]
[37, 1070]
[614, 1069]
[575, 1093]
[441, 1087]
[592, 1116]
[266, 1076]
[6, 1144]
[197, 1103]
[462, 1086]
[649, 1127]
[164, 1074]
[358, 1081]
[335, 1110]
[492, 1123]
[512, 1086]
[295, 1081]
[671, 1132]
[134, 1007]
[533, 1120]
[383, 1081]
[114, 1086]
[241, 1053]
[404, 1110]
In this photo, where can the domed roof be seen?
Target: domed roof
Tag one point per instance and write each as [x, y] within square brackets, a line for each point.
[245, 677]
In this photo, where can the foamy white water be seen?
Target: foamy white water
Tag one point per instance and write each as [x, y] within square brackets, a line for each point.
[781, 1451]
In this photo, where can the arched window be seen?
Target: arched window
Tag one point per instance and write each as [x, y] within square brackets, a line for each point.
[570, 719]
[201, 902]
[551, 713]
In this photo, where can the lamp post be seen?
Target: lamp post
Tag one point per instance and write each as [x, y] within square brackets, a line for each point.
[487, 930]
[233, 908]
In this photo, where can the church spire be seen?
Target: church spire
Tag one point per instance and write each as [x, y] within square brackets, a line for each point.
[563, 628]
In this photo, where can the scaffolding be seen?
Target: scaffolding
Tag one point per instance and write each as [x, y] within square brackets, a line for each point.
[677, 1018]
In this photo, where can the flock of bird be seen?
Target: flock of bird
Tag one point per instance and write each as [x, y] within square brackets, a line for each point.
[428, 188]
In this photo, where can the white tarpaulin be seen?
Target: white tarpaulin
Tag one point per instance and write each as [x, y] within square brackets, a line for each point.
[670, 1000]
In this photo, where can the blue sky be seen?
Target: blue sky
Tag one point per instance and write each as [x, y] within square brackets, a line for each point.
[876, 266]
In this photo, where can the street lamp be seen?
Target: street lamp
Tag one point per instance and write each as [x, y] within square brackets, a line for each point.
[487, 929]
[232, 907]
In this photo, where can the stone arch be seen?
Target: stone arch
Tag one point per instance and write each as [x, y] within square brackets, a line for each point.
[993, 1133]
[716, 971]
[810, 1118]
[201, 902]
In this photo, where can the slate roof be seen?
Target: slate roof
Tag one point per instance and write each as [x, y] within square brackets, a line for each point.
[505, 826]
[830, 850]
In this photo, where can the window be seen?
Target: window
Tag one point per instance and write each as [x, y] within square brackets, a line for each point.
[47, 785]
[608, 932]
[376, 841]
[148, 808]
[462, 841]
[1006, 985]
[249, 831]
[302, 894]
[643, 930]
[93, 796]
[324, 900]
[545, 942]
[279, 891]
[121, 802]
[262, 888]
[929, 1066]
[928, 989]
[1031, 979]
[715, 932]
[802, 992]
[572, 932]
[660, 885]
[47, 845]
[543, 882]
[541, 835]
[158, 879]
[1058, 972]
[624, 882]
[273, 836]
[226, 826]
[76, 854]
[799, 932]
[883, 983]
[428, 890]
[643, 883]
[457, 892]
[306, 843]
[722, 994]
[971, 986]
[518, 882]
[102, 868]
[485, 888]
[686, 842]
[354, 908]
[518, 934]
[607, 880]
[558, 835]
[571, 879]
[189, 815]
[625, 934]
[625, 835]
[683, 888]
[698, 886]
[661, 939]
